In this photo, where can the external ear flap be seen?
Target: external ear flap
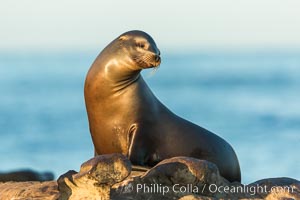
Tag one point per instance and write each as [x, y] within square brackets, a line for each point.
[123, 37]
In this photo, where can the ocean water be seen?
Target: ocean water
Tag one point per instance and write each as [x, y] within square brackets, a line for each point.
[251, 99]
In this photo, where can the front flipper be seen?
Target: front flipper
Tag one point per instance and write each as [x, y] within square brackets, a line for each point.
[142, 150]
[130, 138]
[136, 152]
[133, 151]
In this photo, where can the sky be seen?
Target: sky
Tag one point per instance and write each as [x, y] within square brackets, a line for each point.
[196, 24]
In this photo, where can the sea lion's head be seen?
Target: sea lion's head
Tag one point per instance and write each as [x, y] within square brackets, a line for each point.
[141, 49]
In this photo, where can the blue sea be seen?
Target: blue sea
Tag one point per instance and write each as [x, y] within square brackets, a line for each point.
[250, 98]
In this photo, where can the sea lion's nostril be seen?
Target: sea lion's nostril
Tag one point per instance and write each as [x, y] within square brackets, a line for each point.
[157, 58]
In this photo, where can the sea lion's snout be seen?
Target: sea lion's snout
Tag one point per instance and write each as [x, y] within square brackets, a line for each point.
[157, 57]
[157, 60]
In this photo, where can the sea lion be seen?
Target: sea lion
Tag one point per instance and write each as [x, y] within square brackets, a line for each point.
[125, 116]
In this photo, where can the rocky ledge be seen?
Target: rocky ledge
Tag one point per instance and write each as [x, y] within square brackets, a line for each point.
[111, 177]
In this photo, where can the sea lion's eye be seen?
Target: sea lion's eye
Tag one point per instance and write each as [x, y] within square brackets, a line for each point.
[141, 45]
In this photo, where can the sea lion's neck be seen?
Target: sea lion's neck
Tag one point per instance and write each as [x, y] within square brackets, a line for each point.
[125, 82]
[120, 73]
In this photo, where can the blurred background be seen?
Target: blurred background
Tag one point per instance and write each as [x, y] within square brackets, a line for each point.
[231, 66]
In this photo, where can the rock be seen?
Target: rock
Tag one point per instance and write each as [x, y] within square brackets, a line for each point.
[95, 178]
[26, 175]
[197, 180]
[29, 190]
[189, 175]
[277, 188]
[172, 179]
[197, 197]
[110, 177]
